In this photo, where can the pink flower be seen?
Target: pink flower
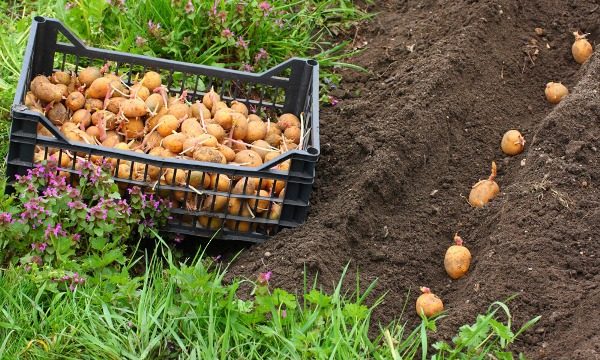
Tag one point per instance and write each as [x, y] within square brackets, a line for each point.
[248, 67]
[333, 101]
[222, 15]
[242, 43]
[6, 218]
[42, 247]
[69, 6]
[154, 28]
[227, 33]
[262, 54]
[263, 278]
[140, 41]
[265, 7]
[56, 230]
[189, 7]
[283, 314]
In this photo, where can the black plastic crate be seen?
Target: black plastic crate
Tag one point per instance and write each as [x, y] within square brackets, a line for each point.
[291, 87]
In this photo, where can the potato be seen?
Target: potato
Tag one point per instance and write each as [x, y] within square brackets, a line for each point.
[200, 111]
[239, 146]
[234, 207]
[93, 105]
[219, 182]
[257, 130]
[262, 148]
[224, 118]
[457, 259]
[214, 203]
[210, 98]
[220, 105]
[152, 140]
[60, 77]
[428, 304]
[287, 120]
[254, 117]
[178, 177]
[259, 206]
[239, 126]
[88, 75]
[155, 102]
[275, 212]
[217, 131]
[31, 100]
[179, 110]
[239, 107]
[167, 124]
[44, 90]
[133, 107]
[174, 142]
[112, 139]
[41, 130]
[244, 186]
[293, 133]
[227, 152]
[124, 171]
[64, 90]
[209, 155]
[99, 88]
[75, 101]
[241, 226]
[210, 223]
[109, 119]
[271, 155]
[93, 131]
[58, 114]
[208, 140]
[152, 121]
[151, 80]
[133, 128]
[273, 139]
[191, 127]
[248, 158]
[77, 135]
[114, 104]
[199, 180]
[139, 91]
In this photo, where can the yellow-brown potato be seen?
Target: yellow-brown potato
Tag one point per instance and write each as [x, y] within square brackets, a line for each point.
[244, 186]
[241, 226]
[211, 223]
[208, 140]
[60, 77]
[174, 142]
[139, 91]
[256, 131]
[457, 259]
[214, 203]
[210, 98]
[75, 101]
[484, 190]
[112, 139]
[271, 155]
[239, 107]
[254, 117]
[234, 207]
[262, 148]
[167, 124]
[220, 105]
[287, 120]
[220, 182]
[191, 127]
[239, 146]
[293, 133]
[133, 107]
[88, 75]
[155, 102]
[179, 110]
[152, 140]
[31, 100]
[199, 180]
[152, 121]
[133, 128]
[99, 88]
[227, 152]
[224, 118]
[93, 131]
[58, 114]
[217, 131]
[41, 130]
[259, 206]
[151, 80]
[114, 104]
[200, 111]
[248, 158]
[93, 105]
[109, 119]
[239, 126]
[46, 91]
[209, 155]
[428, 304]
[64, 90]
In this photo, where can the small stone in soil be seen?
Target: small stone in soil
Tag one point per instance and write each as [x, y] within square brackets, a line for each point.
[268, 254]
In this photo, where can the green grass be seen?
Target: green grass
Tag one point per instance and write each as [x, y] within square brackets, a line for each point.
[187, 311]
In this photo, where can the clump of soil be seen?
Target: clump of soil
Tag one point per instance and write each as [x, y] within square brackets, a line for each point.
[403, 147]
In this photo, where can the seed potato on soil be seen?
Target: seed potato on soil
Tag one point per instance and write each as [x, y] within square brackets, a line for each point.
[406, 141]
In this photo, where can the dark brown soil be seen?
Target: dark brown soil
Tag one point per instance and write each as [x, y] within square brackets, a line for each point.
[403, 147]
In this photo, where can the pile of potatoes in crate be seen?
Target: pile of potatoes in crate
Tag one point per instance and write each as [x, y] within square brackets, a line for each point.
[97, 107]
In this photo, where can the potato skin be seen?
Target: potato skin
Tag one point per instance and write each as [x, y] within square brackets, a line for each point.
[429, 304]
[457, 261]
[483, 192]
[44, 90]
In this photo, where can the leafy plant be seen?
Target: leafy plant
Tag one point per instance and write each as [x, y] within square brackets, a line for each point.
[80, 228]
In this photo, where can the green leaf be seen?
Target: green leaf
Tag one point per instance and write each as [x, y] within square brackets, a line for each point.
[501, 330]
[98, 243]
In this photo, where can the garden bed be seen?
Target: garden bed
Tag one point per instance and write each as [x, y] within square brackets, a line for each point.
[403, 147]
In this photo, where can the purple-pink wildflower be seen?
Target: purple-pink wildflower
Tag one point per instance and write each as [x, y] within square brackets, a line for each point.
[241, 42]
[227, 33]
[56, 230]
[6, 218]
[283, 314]
[265, 7]
[248, 67]
[333, 101]
[154, 28]
[261, 54]
[189, 7]
[140, 41]
[263, 278]
[69, 6]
